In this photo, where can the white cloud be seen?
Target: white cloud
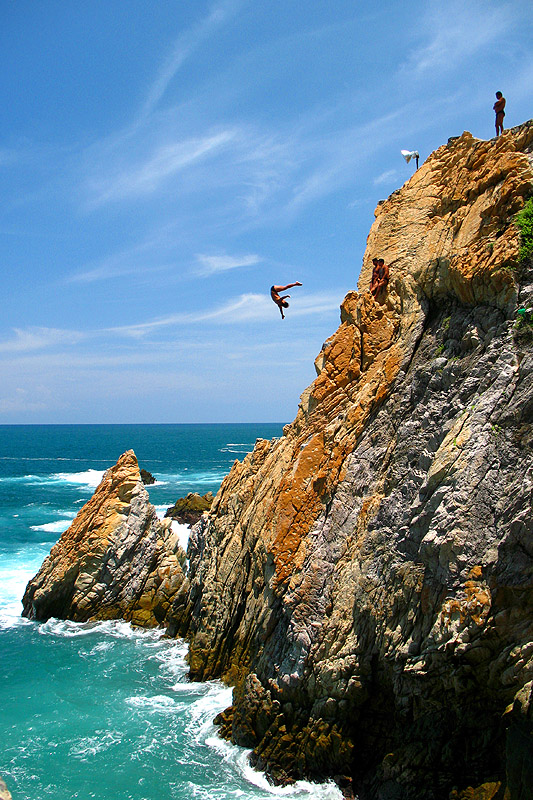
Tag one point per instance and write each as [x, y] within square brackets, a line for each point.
[168, 159]
[111, 268]
[334, 161]
[244, 308]
[29, 339]
[159, 246]
[184, 46]
[316, 304]
[23, 400]
[388, 176]
[456, 32]
[210, 265]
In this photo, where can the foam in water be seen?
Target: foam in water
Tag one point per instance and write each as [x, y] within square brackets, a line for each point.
[91, 477]
[15, 572]
[59, 526]
[115, 628]
[199, 478]
[202, 730]
[239, 448]
[183, 533]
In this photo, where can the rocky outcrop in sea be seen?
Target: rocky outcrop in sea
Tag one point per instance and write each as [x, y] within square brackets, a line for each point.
[116, 560]
[189, 510]
[366, 581]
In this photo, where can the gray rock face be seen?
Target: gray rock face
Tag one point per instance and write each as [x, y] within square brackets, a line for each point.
[402, 644]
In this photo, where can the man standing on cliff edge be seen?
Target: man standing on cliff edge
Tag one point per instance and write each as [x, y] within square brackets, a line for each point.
[498, 107]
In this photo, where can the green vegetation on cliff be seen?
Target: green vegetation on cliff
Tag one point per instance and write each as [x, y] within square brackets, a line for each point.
[524, 220]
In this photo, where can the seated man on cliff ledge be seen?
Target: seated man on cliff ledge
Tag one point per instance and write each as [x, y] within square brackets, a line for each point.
[380, 276]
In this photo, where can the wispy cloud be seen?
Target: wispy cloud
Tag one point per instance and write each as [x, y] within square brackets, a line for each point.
[30, 339]
[145, 176]
[21, 400]
[155, 253]
[335, 160]
[210, 265]
[184, 46]
[388, 176]
[456, 32]
[244, 308]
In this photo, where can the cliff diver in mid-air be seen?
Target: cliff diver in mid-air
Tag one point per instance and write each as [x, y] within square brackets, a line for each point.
[281, 301]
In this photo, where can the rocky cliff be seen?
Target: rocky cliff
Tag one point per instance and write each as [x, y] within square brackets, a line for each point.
[116, 560]
[365, 582]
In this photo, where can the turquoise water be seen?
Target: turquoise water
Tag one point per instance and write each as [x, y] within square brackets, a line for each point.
[102, 710]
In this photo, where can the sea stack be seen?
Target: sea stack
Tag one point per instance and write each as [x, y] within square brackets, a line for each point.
[116, 560]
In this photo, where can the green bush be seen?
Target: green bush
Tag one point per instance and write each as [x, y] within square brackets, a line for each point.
[524, 220]
[523, 327]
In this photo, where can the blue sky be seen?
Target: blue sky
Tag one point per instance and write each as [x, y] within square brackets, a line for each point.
[163, 163]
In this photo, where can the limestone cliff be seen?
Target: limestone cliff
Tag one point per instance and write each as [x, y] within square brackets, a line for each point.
[366, 581]
[116, 560]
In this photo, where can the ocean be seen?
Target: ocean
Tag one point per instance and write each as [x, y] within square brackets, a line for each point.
[104, 710]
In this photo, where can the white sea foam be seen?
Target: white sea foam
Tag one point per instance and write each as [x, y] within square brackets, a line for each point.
[239, 758]
[91, 477]
[101, 647]
[15, 572]
[158, 703]
[215, 699]
[88, 746]
[110, 627]
[237, 449]
[59, 526]
[182, 532]
[192, 478]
